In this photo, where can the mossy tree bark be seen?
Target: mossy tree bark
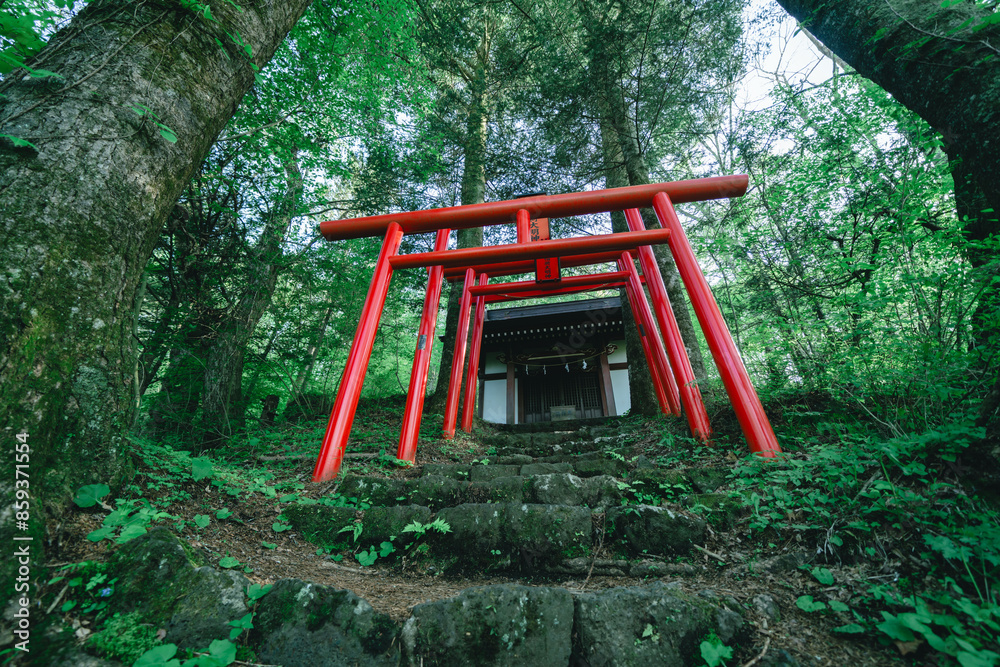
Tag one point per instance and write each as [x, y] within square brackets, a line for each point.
[614, 120]
[640, 382]
[473, 192]
[83, 211]
[223, 408]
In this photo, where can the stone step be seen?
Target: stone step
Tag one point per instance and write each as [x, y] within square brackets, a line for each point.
[526, 537]
[303, 624]
[438, 492]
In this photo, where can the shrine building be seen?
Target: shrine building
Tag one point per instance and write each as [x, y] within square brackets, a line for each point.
[554, 362]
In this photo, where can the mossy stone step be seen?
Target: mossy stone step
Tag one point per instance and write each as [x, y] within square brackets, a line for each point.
[300, 624]
[701, 480]
[645, 529]
[533, 537]
[541, 450]
[529, 537]
[437, 492]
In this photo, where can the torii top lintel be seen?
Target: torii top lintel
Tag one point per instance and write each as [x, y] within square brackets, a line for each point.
[542, 206]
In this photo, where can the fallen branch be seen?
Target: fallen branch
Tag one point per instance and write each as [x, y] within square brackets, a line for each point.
[713, 555]
[767, 645]
[327, 563]
[56, 601]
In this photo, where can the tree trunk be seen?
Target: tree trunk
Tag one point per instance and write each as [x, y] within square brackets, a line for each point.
[312, 352]
[979, 221]
[641, 393]
[473, 192]
[222, 408]
[613, 113]
[83, 210]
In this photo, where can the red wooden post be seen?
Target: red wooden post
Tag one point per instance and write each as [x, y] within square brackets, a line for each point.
[338, 429]
[472, 380]
[750, 413]
[687, 387]
[657, 356]
[458, 359]
[654, 370]
[523, 222]
[407, 449]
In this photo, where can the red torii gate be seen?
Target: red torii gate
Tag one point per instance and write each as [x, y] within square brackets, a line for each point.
[673, 380]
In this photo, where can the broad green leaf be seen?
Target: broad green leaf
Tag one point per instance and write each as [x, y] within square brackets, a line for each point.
[44, 74]
[807, 604]
[246, 622]
[894, 629]
[201, 520]
[982, 658]
[837, 605]
[823, 575]
[228, 562]
[159, 656]
[849, 629]
[100, 533]
[279, 527]
[17, 141]
[201, 468]
[90, 495]
[169, 135]
[268, 545]
[224, 513]
[257, 591]
[715, 654]
[130, 533]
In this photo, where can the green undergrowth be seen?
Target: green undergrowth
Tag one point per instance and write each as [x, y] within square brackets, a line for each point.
[899, 505]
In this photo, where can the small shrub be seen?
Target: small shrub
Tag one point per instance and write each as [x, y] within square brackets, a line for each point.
[124, 637]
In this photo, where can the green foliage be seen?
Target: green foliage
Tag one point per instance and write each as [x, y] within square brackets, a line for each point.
[419, 529]
[367, 557]
[86, 588]
[846, 497]
[220, 653]
[648, 633]
[257, 591]
[201, 468]
[130, 519]
[124, 637]
[23, 25]
[245, 623]
[90, 495]
[808, 605]
[714, 652]
[161, 656]
[963, 631]
[165, 131]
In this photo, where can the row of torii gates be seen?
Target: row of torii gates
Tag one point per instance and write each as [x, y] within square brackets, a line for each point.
[673, 379]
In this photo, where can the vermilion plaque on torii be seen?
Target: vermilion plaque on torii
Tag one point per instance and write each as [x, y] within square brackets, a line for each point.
[546, 269]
